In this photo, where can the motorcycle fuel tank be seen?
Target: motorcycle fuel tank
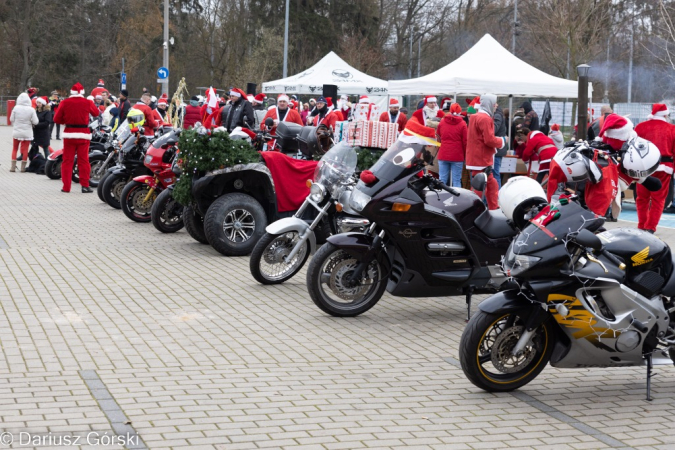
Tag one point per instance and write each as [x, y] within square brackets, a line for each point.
[640, 251]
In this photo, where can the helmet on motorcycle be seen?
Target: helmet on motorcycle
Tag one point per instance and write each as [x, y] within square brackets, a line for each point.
[640, 158]
[518, 196]
[136, 118]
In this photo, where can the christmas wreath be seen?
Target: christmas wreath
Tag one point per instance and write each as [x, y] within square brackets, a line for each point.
[203, 150]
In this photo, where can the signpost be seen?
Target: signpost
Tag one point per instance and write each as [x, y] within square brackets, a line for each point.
[162, 73]
[124, 80]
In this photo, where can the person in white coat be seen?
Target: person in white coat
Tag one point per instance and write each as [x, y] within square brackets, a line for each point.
[23, 119]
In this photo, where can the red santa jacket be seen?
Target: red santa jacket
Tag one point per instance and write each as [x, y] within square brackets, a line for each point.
[662, 134]
[540, 148]
[150, 121]
[401, 119]
[292, 115]
[481, 142]
[73, 112]
[452, 134]
[330, 119]
[421, 117]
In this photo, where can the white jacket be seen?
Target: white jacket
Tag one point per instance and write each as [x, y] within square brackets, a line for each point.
[23, 118]
[106, 116]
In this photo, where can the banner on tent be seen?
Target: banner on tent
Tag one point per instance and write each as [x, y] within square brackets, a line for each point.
[293, 89]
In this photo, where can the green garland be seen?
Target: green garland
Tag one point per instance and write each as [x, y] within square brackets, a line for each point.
[202, 150]
[367, 158]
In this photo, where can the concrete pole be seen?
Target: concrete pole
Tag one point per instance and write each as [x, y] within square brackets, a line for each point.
[515, 26]
[630, 58]
[419, 55]
[286, 43]
[165, 85]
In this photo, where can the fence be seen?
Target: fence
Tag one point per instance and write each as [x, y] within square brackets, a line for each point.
[3, 103]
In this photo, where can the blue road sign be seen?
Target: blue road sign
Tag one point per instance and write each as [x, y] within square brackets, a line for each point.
[124, 78]
[162, 73]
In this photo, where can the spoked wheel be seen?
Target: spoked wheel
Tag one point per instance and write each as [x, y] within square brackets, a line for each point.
[485, 351]
[137, 200]
[268, 260]
[330, 286]
[98, 169]
[167, 213]
[234, 223]
[53, 169]
[112, 189]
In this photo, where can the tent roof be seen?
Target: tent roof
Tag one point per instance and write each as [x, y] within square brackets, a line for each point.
[488, 67]
[331, 69]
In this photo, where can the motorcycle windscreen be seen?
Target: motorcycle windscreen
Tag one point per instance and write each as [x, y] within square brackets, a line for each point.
[400, 160]
[170, 138]
[336, 166]
[122, 132]
[573, 218]
[129, 144]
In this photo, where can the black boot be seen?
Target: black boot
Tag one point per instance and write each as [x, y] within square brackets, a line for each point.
[86, 190]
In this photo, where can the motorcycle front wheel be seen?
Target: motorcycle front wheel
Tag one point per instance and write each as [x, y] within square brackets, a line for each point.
[167, 213]
[268, 265]
[329, 285]
[112, 189]
[53, 169]
[97, 169]
[485, 351]
[136, 201]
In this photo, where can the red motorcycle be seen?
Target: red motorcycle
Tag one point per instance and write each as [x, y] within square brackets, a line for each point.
[139, 194]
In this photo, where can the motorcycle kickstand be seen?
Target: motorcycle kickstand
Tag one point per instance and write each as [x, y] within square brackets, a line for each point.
[469, 294]
[649, 377]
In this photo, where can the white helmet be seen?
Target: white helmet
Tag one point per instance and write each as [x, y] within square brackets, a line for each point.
[239, 134]
[518, 196]
[577, 166]
[640, 159]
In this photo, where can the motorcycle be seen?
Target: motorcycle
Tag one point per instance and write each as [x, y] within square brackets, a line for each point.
[100, 148]
[425, 240]
[574, 299]
[167, 213]
[288, 242]
[138, 195]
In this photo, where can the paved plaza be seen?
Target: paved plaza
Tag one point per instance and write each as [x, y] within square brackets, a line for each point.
[110, 330]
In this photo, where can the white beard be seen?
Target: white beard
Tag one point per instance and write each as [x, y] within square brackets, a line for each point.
[430, 112]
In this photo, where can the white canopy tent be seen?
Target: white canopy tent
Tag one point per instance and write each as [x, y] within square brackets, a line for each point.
[488, 67]
[331, 69]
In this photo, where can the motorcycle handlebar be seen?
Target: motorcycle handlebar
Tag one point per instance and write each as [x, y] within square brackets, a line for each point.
[440, 185]
[611, 257]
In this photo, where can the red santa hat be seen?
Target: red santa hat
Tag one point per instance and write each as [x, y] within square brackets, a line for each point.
[430, 99]
[162, 100]
[77, 89]
[659, 110]
[259, 99]
[237, 93]
[455, 109]
[42, 100]
[283, 97]
[329, 102]
[364, 99]
[394, 103]
[416, 133]
[294, 104]
[99, 97]
[617, 127]
[101, 83]
[446, 101]
[555, 127]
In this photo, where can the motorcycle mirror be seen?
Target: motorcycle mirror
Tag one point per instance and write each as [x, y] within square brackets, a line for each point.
[269, 122]
[479, 181]
[588, 239]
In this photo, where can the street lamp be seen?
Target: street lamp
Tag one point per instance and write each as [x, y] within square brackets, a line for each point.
[582, 101]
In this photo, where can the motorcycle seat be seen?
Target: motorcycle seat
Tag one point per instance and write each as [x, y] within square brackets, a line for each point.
[494, 224]
[669, 288]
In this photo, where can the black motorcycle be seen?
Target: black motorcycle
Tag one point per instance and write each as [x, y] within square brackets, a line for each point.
[425, 240]
[167, 213]
[130, 164]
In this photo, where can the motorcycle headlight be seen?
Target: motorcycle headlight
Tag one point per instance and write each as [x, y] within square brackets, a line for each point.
[358, 200]
[316, 192]
[517, 264]
[148, 159]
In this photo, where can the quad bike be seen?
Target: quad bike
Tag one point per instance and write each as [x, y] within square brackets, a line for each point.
[138, 196]
[233, 206]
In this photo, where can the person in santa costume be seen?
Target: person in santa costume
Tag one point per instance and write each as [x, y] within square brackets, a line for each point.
[323, 116]
[394, 115]
[74, 114]
[280, 113]
[100, 87]
[659, 132]
[535, 146]
[430, 113]
[162, 105]
[345, 107]
[482, 145]
[258, 101]
[239, 113]
[151, 122]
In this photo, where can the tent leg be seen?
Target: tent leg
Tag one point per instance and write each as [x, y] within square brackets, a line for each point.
[511, 114]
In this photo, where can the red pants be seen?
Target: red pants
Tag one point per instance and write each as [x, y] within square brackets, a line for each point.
[650, 204]
[71, 147]
[491, 190]
[24, 149]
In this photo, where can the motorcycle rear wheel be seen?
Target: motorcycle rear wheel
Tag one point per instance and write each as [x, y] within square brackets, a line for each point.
[134, 203]
[112, 189]
[327, 277]
[267, 264]
[503, 372]
[194, 225]
[53, 169]
[167, 213]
